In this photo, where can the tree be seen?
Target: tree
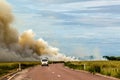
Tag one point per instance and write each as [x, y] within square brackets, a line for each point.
[112, 58]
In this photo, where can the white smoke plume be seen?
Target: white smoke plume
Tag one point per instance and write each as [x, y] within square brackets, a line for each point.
[41, 47]
[85, 53]
[24, 47]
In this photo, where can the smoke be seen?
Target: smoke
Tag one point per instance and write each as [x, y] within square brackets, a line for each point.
[15, 47]
[85, 53]
[7, 34]
[39, 46]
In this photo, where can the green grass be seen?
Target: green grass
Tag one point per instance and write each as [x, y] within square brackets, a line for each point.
[109, 68]
[7, 67]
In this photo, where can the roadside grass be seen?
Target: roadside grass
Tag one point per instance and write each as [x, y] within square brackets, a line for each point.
[109, 68]
[7, 67]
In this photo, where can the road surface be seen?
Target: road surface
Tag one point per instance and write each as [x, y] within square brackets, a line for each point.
[58, 72]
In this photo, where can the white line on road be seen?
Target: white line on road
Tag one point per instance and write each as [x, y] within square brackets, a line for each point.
[59, 76]
[53, 72]
[12, 76]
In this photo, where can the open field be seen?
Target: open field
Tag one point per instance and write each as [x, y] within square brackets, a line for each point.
[8, 67]
[109, 68]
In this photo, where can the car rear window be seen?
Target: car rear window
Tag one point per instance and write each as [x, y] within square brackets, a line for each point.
[44, 60]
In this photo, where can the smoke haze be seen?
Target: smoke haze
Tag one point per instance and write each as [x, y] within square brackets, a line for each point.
[15, 47]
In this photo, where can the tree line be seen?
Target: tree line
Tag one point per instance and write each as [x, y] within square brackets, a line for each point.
[112, 58]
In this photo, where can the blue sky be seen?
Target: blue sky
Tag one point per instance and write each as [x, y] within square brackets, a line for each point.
[76, 27]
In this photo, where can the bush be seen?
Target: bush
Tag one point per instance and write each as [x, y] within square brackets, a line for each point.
[8, 67]
[24, 65]
[70, 65]
[74, 66]
[2, 72]
[94, 69]
[108, 74]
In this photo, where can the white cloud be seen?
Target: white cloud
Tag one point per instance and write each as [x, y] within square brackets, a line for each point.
[88, 4]
[57, 1]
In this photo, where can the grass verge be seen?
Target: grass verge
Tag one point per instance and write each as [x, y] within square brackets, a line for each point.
[109, 68]
[8, 67]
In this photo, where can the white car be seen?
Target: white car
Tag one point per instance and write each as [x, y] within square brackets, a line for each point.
[44, 62]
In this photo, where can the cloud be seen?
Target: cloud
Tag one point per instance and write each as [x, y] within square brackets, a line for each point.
[80, 5]
[74, 13]
[59, 1]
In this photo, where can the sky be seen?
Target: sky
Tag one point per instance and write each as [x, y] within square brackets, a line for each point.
[77, 27]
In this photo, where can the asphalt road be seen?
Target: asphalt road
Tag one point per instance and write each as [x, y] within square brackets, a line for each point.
[59, 72]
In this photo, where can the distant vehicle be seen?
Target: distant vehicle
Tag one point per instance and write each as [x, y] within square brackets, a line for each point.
[44, 61]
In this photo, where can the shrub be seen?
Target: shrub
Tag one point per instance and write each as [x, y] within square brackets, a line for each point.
[108, 74]
[94, 69]
[2, 72]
